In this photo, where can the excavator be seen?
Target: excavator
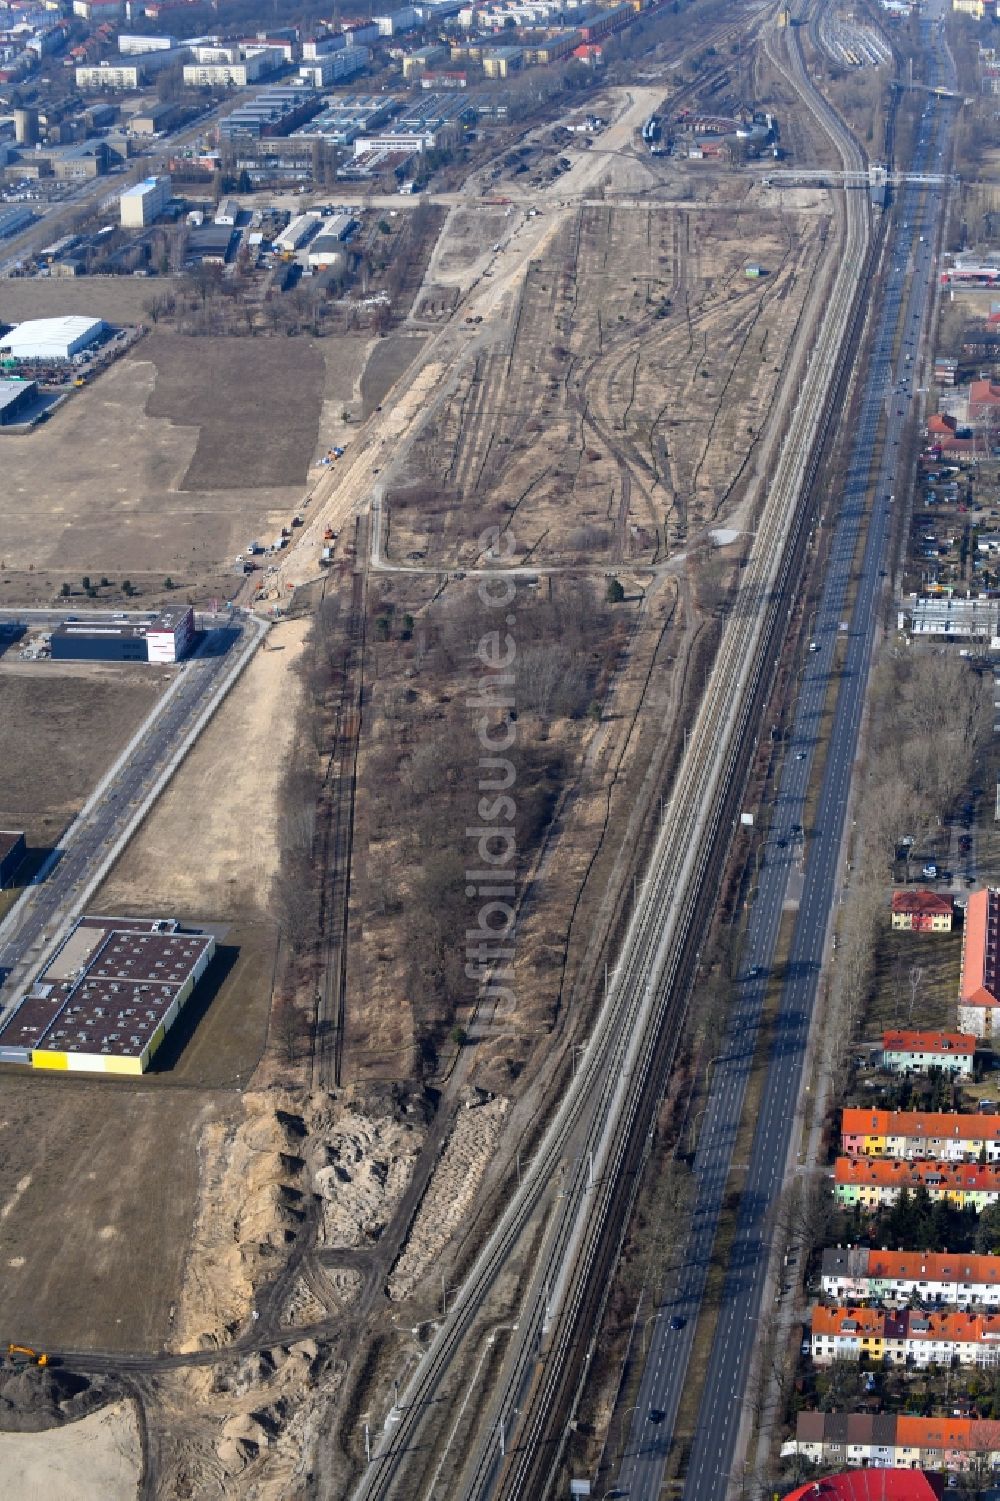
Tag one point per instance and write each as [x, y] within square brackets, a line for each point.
[25, 1355]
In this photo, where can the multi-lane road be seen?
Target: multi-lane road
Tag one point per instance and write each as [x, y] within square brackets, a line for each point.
[125, 794]
[800, 866]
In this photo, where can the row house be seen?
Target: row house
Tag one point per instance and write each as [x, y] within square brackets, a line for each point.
[859, 1272]
[906, 1052]
[871, 1182]
[947, 1136]
[891, 1440]
[905, 1336]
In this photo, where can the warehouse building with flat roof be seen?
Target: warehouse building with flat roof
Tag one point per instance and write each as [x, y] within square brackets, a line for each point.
[108, 998]
[17, 397]
[52, 338]
[164, 637]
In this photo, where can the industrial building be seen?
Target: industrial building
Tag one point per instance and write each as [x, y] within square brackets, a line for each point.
[326, 251]
[52, 338]
[209, 244]
[421, 127]
[107, 999]
[17, 397]
[343, 120]
[143, 204]
[952, 619]
[154, 119]
[274, 112]
[12, 852]
[164, 637]
[297, 232]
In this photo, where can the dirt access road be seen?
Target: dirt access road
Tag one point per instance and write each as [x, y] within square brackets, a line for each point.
[347, 488]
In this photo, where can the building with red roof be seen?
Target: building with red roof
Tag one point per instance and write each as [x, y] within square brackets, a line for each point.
[905, 1336]
[921, 912]
[984, 402]
[905, 1052]
[892, 1441]
[944, 1135]
[871, 1485]
[871, 1182]
[979, 995]
[862, 1273]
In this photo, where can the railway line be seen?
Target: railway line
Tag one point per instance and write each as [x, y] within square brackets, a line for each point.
[590, 1138]
[336, 841]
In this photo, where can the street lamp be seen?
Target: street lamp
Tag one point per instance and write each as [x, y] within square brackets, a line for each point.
[708, 1069]
[651, 1320]
[623, 1430]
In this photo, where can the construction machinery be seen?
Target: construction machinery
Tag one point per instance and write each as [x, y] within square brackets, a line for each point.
[25, 1355]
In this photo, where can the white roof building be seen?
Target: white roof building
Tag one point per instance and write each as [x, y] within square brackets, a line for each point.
[52, 338]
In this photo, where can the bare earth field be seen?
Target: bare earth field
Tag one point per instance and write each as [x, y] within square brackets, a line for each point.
[61, 728]
[98, 1187]
[211, 843]
[388, 359]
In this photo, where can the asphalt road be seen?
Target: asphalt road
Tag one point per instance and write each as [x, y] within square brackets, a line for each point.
[126, 792]
[806, 868]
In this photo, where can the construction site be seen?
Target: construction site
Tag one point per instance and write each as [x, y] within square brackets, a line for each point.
[559, 463]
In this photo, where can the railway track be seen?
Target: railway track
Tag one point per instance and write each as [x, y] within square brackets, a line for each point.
[337, 815]
[594, 1129]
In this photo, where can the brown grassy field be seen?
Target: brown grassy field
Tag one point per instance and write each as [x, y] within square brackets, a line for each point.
[938, 957]
[61, 728]
[254, 402]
